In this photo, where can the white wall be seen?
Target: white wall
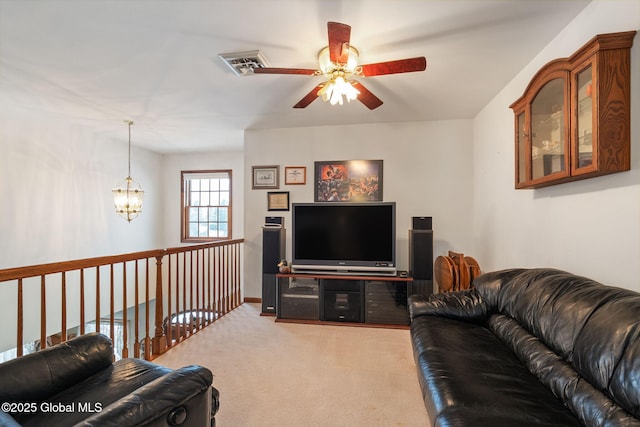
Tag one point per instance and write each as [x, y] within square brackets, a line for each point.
[57, 205]
[588, 227]
[56, 195]
[427, 172]
[175, 163]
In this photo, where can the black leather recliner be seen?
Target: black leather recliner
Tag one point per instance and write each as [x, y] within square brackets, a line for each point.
[529, 347]
[77, 384]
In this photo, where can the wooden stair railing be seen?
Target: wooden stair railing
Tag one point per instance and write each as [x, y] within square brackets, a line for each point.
[192, 286]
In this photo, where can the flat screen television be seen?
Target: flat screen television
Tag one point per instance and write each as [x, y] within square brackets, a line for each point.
[344, 238]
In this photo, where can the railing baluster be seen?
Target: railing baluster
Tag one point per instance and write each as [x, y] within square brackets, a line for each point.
[19, 332]
[82, 314]
[112, 311]
[192, 271]
[197, 275]
[63, 332]
[177, 338]
[147, 338]
[169, 301]
[43, 313]
[210, 308]
[220, 287]
[183, 331]
[226, 277]
[125, 325]
[238, 273]
[98, 298]
[136, 315]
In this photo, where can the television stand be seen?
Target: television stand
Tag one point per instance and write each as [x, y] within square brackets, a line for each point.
[364, 300]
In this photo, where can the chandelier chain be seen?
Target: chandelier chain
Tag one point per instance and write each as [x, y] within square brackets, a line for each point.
[129, 122]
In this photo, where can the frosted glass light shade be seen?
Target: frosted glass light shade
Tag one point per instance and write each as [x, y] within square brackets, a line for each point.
[127, 197]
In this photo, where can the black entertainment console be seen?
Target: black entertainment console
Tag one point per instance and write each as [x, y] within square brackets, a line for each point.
[380, 300]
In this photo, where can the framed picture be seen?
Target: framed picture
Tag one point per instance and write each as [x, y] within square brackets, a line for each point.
[278, 201]
[348, 181]
[265, 177]
[295, 175]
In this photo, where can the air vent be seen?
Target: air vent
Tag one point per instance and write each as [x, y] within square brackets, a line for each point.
[243, 63]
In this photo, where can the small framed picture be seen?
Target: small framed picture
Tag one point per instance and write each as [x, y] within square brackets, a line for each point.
[278, 201]
[295, 175]
[265, 177]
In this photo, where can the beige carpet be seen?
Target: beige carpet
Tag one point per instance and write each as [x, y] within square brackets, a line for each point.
[282, 374]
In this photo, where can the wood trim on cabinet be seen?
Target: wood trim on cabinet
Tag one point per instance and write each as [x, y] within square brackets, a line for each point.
[609, 57]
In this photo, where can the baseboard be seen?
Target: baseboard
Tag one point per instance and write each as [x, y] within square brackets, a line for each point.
[254, 300]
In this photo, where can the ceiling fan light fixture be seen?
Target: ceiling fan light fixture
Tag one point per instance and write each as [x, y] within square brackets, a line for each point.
[327, 67]
[337, 88]
[338, 63]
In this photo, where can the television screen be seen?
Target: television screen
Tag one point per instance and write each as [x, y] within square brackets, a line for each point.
[344, 237]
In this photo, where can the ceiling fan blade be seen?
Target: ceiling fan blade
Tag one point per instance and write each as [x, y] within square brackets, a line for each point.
[339, 39]
[271, 70]
[395, 67]
[366, 97]
[309, 98]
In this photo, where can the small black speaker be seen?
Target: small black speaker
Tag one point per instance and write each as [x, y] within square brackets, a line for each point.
[421, 223]
[421, 254]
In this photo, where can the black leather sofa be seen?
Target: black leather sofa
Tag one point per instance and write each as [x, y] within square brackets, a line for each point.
[77, 384]
[529, 347]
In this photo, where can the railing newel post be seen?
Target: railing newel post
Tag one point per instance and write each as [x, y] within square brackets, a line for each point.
[159, 341]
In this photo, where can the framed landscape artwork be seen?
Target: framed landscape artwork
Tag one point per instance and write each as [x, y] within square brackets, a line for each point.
[348, 181]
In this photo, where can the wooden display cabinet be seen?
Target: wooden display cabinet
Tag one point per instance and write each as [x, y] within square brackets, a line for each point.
[573, 120]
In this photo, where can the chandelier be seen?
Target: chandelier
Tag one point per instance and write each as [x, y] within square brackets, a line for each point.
[339, 85]
[127, 196]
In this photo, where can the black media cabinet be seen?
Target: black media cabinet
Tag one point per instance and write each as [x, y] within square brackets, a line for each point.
[369, 300]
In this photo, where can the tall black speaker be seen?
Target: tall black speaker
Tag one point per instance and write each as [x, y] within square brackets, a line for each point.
[421, 261]
[273, 250]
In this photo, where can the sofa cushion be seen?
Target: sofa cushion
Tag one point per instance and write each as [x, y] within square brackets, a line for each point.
[591, 328]
[542, 299]
[607, 352]
[467, 374]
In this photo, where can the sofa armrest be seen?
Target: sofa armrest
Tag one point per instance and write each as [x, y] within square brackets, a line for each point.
[463, 305]
[165, 401]
[39, 375]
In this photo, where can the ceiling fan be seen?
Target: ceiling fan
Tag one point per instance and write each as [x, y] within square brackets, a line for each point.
[339, 63]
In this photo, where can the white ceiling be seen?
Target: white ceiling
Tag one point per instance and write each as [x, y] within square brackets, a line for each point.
[96, 63]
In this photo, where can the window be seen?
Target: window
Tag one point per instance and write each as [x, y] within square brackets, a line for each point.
[206, 205]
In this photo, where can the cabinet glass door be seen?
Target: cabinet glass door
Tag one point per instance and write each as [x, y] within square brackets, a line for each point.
[584, 118]
[548, 130]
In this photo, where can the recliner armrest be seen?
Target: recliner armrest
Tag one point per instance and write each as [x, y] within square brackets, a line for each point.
[37, 376]
[160, 399]
[463, 305]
